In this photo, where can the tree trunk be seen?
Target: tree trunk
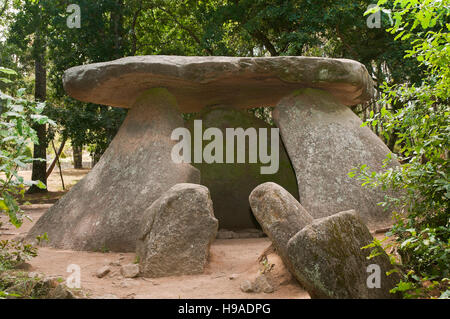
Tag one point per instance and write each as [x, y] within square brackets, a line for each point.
[117, 25]
[59, 164]
[39, 172]
[77, 157]
[392, 140]
[95, 158]
[4, 8]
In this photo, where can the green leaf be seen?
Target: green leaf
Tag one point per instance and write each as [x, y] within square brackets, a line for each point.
[21, 92]
[40, 185]
[5, 80]
[8, 71]
[445, 294]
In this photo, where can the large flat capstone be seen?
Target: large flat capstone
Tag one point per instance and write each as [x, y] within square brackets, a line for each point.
[197, 82]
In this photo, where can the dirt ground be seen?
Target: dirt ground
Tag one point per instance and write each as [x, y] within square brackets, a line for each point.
[231, 262]
[55, 189]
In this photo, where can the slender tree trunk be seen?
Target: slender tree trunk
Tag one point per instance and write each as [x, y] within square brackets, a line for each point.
[57, 156]
[4, 8]
[95, 158]
[133, 29]
[59, 165]
[39, 172]
[117, 25]
[77, 157]
[392, 140]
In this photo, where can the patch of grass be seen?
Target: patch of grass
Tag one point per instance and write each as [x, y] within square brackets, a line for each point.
[17, 284]
[104, 250]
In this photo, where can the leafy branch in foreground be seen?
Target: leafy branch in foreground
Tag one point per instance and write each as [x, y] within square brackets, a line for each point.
[17, 115]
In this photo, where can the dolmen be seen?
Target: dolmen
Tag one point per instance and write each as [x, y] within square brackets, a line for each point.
[322, 140]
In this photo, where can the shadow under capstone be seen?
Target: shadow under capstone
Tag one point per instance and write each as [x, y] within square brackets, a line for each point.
[230, 184]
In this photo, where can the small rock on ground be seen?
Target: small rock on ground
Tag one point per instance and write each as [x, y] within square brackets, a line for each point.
[130, 270]
[102, 272]
[259, 284]
[233, 276]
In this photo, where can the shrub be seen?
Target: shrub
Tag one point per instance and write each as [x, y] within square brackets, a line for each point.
[422, 129]
[17, 115]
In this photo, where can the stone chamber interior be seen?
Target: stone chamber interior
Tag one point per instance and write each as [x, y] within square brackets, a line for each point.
[230, 184]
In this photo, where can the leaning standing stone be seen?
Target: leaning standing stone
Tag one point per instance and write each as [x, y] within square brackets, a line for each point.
[280, 215]
[329, 263]
[325, 141]
[176, 232]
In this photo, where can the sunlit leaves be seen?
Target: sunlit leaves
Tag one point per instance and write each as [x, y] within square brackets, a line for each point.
[422, 132]
[17, 115]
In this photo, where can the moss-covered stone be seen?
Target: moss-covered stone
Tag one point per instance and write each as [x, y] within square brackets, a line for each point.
[329, 262]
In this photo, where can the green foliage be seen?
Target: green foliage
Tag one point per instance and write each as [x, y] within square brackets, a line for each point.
[14, 253]
[88, 124]
[104, 36]
[112, 29]
[17, 115]
[422, 131]
[19, 285]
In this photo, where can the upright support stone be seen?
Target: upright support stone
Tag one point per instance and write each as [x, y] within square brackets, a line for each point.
[104, 210]
[325, 141]
[176, 232]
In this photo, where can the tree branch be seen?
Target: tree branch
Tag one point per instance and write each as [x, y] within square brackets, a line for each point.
[188, 30]
[59, 164]
[133, 28]
[355, 54]
[4, 8]
[266, 42]
[57, 155]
